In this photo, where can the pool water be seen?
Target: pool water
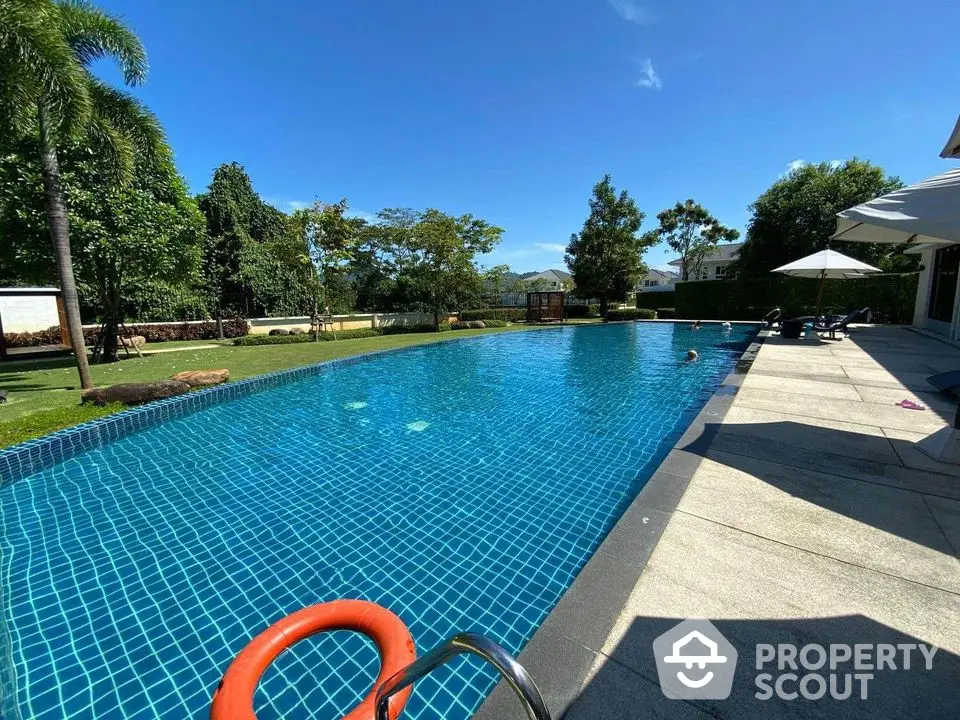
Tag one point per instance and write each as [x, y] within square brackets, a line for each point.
[462, 485]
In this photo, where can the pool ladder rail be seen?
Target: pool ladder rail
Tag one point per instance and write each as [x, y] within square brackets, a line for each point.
[510, 670]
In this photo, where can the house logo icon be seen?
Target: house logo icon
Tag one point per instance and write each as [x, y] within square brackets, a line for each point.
[695, 662]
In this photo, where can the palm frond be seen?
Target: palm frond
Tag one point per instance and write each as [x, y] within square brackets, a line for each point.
[38, 66]
[124, 128]
[94, 34]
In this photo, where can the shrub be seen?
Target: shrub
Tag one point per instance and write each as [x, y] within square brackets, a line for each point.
[345, 334]
[477, 324]
[404, 329]
[509, 314]
[250, 340]
[632, 314]
[50, 336]
[666, 313]
[582, 311]
[445, 327]
[656, 300]
[495, 323]
[890, 296]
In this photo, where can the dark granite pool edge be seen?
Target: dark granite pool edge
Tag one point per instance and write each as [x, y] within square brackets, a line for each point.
[564, 648]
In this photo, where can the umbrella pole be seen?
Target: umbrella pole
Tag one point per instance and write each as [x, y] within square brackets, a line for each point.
[823, 276]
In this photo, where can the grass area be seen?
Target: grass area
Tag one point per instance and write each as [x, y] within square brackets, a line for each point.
[44, 396]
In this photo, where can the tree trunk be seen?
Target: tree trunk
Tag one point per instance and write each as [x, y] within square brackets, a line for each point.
[60, 234]
[604, 305]
[110, 344]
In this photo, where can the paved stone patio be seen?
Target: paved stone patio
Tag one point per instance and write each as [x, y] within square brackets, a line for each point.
[808, 516]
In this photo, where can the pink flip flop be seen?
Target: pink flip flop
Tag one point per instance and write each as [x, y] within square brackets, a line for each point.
[910, 405]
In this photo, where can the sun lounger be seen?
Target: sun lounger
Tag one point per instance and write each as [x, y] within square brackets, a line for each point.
[842, 324]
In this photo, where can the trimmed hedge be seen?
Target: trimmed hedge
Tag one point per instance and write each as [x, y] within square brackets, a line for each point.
[656, 300]
[330, 336]
[495, 323]
[153, 332]
[582, 311]
[50, 336]
[890, 296]
[632, 314]
[508, 314]
[666, 313]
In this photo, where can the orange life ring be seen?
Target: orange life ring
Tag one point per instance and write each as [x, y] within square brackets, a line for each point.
[233, 699]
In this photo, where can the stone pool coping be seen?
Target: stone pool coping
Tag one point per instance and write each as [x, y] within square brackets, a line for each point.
[588, 610]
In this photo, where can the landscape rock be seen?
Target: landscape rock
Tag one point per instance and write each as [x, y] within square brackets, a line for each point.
[278, 331]
[477, 324]
[297, 331]
[134, 341]
[202, 378]
[134, 393]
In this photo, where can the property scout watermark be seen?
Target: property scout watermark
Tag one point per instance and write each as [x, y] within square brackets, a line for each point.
[696, 662]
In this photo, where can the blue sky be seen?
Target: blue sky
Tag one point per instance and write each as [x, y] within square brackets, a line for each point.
[512, 110]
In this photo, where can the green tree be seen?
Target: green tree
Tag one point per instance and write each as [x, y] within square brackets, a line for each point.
[252, 262]
[331, 238]
[130, 241]
[797, 215]
[691, 232]
[606, 257]
[48, 92]
[440, 264]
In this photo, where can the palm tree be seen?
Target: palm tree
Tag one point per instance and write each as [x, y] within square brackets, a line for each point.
[48, 91]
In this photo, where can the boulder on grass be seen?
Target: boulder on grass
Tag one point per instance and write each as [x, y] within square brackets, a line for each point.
[297, 331]
[202, 378]
[134, 393]
[278, 331]
[134, 341]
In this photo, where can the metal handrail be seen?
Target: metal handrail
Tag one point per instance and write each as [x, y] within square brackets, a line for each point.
[512, 671]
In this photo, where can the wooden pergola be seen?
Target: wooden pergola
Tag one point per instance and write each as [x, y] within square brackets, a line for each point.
[545, 307]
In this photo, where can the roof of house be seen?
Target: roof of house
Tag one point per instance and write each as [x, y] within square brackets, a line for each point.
[550, 275]
[664, 274]
[719, 254]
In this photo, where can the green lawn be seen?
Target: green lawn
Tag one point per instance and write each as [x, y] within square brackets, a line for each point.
[44, 396]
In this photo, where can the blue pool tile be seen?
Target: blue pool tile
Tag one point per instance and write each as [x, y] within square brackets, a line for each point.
[139, 553]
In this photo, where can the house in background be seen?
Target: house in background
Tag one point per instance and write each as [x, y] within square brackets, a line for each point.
[715, 263]
[657, 279]
[549, 280]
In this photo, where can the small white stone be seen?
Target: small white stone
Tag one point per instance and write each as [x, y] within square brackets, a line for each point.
[418, 426]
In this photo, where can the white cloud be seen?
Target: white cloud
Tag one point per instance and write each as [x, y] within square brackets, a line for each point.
[294, 205]
[796, 165]
[552, 247]
[836, 163]
[648, 76]
[633, 12]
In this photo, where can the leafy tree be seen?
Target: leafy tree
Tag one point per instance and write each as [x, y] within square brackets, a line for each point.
[131, 242]
[797, 215]
[331, 239]
[691, 232]
[48, 92]
[439, 255]
[538, 285]
[606, 257]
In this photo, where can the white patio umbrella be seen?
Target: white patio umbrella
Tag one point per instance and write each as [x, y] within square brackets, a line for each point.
[924, 213]
[826, 264]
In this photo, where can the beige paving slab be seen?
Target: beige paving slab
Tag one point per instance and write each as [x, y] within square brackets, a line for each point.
[905, 445]
[703, 569]
[890, 396]
[871, 525]
[798, 386]
[840, 410]
[814, 434]
[885, 378]
[947, 514]
[799, 368]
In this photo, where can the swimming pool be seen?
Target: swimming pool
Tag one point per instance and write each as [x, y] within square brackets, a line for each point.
[463, 485]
